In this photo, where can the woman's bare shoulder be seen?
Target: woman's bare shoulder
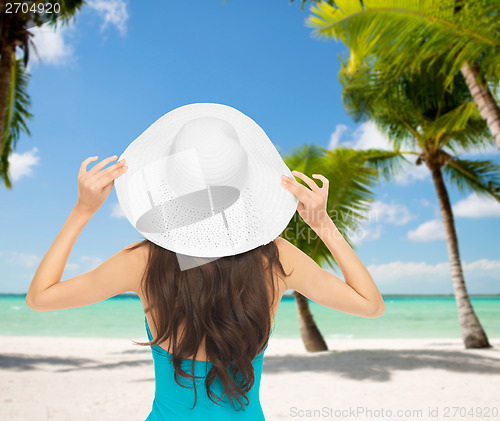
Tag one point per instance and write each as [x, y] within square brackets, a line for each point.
[139, 253]
[287, 250]
[298, 265]
[287, 254]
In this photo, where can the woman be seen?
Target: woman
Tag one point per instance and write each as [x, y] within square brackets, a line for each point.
[208, 325]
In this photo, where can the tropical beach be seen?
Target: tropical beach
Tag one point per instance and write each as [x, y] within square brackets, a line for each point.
[81, 379]
[395, 105]
[60, 374]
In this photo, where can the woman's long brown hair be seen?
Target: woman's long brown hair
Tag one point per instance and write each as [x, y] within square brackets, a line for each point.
[227, 301]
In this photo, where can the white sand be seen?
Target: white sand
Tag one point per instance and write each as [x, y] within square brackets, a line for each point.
[111, 379]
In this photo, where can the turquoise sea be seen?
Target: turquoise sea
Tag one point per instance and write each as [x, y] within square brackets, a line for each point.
[123, 317]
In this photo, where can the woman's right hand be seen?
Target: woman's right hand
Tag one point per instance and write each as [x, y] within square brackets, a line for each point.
[312, 202]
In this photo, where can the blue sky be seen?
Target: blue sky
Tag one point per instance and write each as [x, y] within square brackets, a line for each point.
[101, 81]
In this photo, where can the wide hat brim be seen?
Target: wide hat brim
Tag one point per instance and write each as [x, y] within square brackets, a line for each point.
[259, 215]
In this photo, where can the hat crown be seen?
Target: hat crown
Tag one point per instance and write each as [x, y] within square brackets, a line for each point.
[207, 166]
[218, 155]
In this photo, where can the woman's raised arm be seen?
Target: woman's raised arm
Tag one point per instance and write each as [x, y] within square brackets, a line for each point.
[359, 294]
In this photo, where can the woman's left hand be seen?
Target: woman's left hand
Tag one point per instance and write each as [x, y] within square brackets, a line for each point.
[95, 185]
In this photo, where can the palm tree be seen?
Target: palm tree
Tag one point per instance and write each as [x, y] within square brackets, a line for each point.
[394, 36]
[435, 124]
[349, 197]
[14, 99]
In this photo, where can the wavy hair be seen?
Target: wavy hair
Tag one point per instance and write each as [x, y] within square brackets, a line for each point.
[227, 301]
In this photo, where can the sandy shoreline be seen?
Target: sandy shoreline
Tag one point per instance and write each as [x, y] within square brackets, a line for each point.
[77, 379]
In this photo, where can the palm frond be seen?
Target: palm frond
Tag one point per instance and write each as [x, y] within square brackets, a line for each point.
[304, 2]
[366, 97]
[481, 177]
[474, 138]
[389, 164]
[416, 111]
[401, 105]
[405, 33]
[16, 115]
[350, 194]
[68, 10]
[460, 128]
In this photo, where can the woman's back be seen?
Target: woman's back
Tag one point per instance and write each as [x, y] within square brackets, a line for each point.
[174, 402]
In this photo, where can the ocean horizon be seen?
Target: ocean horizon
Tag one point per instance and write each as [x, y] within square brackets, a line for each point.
[406, 316]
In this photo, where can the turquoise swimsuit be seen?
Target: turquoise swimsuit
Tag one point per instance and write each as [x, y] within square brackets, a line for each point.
[173, 402]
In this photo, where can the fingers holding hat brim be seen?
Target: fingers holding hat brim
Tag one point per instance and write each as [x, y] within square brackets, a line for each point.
[311, 183]
[300, 191]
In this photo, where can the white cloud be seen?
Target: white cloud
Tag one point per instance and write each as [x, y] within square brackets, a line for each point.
[93, 261]
[21, 164]
[367, 136]
[21, 259]
[409, 272]
[397, 277]
[113, 12]
[476, 206]
[428, 231]
[485, 265]
[366, 233]
[380, 212]
[401, 271]
[117, 211]
[51, 45]
[391, 213]
[336, 135]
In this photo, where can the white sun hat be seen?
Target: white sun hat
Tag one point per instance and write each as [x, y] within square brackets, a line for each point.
[204, 180]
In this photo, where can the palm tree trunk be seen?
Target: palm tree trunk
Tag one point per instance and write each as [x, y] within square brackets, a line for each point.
[5, 69]
[483, 98]
[472, 332]
[311, 336]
